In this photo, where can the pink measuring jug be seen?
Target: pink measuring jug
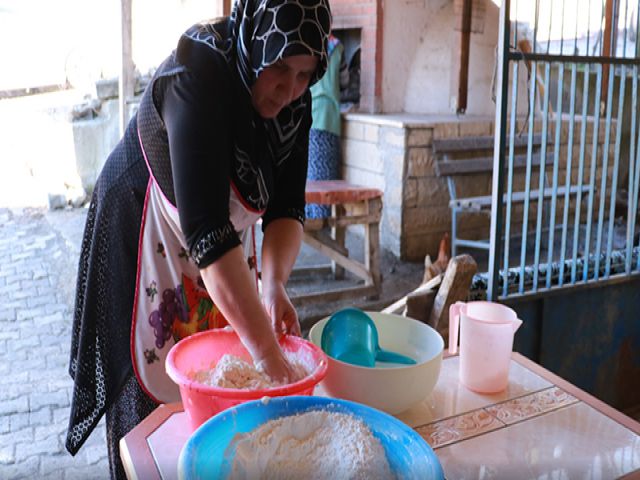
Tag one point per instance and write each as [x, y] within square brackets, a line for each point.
[486, 342]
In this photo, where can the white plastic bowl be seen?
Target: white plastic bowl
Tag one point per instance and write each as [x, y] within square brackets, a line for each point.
[392, 388]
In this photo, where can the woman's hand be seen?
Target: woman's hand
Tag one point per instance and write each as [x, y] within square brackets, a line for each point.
[276, 366]
[284, 317]
[280, 247]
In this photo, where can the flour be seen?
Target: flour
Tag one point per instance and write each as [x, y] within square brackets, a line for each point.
[317, 445]
[235, 372]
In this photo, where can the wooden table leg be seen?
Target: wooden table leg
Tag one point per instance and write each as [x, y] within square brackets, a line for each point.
[372, 243]
[338, 233]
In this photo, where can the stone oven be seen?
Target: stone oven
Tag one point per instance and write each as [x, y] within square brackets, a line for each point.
[407, 60]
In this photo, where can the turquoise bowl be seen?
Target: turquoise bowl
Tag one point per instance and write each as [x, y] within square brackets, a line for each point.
[209, 452]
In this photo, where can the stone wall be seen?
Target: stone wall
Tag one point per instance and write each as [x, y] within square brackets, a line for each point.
[394, 153]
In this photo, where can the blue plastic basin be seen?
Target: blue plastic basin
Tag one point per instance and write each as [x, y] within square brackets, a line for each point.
[206, 454]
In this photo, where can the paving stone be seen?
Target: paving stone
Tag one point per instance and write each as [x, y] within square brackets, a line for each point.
[41, 273]
[10, 289]
[33, 364]
[8, 315]
[52, 337]
[63, 383]
[30, 312]
[59, 462]
[26, 469]
[16, 405]
[57, 362]
[60, 415]
[18, 277]
[16, 390]
[21, 294]
[40, 417]
[91, 472]
[10, 303]
[18, 421]
[20, 436]
[16, 378]
[43, 299]
[94, 453]
[4, 424]
[43, 284]
[35, 448]
[29, 342]
[21, 256]
[7, 454]
[56, 475]
[51, 316]
[53, 399]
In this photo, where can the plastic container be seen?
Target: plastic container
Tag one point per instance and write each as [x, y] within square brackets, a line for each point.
[390, 387]
[486, 341]
[209, 452]
[203, 350]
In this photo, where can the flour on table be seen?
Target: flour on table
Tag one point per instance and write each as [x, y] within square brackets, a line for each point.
[234, 372]
[317, 445]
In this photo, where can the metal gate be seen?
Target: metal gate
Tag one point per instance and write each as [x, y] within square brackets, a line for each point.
[567, 80]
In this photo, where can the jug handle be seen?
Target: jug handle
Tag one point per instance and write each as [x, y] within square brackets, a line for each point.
[454, 326]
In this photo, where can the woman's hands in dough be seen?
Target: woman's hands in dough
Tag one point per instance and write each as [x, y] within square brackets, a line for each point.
[276, 365]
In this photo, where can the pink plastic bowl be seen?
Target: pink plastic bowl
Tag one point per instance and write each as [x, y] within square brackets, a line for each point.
[203, 350]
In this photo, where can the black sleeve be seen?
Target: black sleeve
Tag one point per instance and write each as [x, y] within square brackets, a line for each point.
[288, 200]
[196, 111]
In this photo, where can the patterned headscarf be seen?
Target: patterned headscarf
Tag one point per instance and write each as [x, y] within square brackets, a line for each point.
[258, 34]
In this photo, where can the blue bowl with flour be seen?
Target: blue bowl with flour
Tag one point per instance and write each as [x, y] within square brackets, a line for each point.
[209, 452]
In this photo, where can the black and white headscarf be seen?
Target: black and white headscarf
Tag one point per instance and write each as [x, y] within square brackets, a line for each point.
[257, 34]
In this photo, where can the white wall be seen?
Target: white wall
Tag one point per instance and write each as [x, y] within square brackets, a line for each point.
[418, 54]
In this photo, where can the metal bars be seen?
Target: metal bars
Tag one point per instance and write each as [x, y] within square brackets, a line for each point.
[578, 221]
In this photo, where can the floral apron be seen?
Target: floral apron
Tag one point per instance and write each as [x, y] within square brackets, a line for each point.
[171, 301]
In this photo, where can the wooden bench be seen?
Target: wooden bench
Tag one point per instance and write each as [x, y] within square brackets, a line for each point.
[455, 157]
[350, 205]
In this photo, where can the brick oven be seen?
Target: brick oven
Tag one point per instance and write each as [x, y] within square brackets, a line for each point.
[406, 58]
[358, 23]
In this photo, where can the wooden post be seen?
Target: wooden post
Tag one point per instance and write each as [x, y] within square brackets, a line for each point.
[465, 41]
[226, 8]
[455, 287]
[609, 27]
[127, 81]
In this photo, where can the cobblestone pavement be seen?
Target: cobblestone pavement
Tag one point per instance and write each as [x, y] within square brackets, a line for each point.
[37, 273]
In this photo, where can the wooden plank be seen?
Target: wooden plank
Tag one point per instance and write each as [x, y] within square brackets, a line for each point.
[354, 267]
[478, 203]
[314, 224]
[334, 295]
[419, 305]
[399, 305]
[326, 240]
[327, 192]
[468, 166]
[455, 287]
[308, 270]
[467, 144]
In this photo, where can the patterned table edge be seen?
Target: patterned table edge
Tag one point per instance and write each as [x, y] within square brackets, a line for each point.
[494, 417]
